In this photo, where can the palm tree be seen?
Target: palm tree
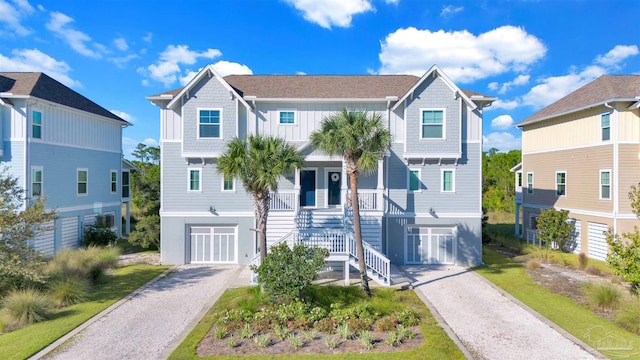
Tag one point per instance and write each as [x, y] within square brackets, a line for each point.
[259, 163]
[361, 139]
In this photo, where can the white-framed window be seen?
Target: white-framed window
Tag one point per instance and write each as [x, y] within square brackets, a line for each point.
[286, 117]
[448, 177]
[519, 174]
[414, 182]
[210, 123]
[195, 179]
[36, 124]
[432, 123]
[36, 181]
[125, 184]
[529, 183]
[228, 184]
[561, 183]
[114, 181]
[605, 184]
[605, 125]
[83, 181]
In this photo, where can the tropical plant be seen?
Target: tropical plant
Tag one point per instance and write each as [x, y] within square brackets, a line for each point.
[361, 139]
[145, 191]
[259, 162]
[624, 251]
[554, 228]
[27, 306]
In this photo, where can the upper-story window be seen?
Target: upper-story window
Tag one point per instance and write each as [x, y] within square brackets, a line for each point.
[194, 180]
[605, 184]
[287, 117]
[413, 180]
[125, 184]
[561, 183]
[114, 181]
[530, 183]
[83, 181]
[36, 125]
[448, 181]
[228, 184]
[606, 127]
[209, 123]
[432, 124]
[36, 181]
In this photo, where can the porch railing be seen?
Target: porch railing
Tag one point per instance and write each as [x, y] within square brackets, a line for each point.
[375, 260]
[284, 200]
[368, 199]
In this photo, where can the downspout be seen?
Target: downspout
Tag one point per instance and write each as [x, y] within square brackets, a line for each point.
[385, 206]
[614, 129]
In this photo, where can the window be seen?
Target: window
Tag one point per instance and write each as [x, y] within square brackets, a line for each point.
[36, 125]
[114, 181]
[530, 183]
[606, 127]
[414, 180]
[432, 124]
[605, 184]
[519, 179]
[36, 181]
[125, 184]
[448, 179]
[194, 180]
[209, 124]
[83, 181]
[228, 184]
[561, 183]
[287, 117]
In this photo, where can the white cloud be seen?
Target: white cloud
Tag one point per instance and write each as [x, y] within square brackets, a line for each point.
[462, 55]
[519, 80]
[189, 74]
[11, 16]
[121, 44]
[449, 10]
[502, 122]
[392, 2]
[33, 60]
[503, 141]
[504, 104]
[150, 142]
[329, 13]
[148, 37]
[121, 61]
[225, 68]
[553, 88]
[616, 55]
[60, 24]
[123, 115]
[493, 86]
[129, 145]
[167, 69]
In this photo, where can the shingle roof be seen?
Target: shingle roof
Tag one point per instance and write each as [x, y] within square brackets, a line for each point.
[42, 86]
[604, 88]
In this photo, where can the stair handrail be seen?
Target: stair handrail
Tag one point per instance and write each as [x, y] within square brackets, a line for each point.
[375, 261]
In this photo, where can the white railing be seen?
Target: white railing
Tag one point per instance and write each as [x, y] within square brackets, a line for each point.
[285, 200]
[368, 199]
[375, 260]
[532, 237]
[334, 241]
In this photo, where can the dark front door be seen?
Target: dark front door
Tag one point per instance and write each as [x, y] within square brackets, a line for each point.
[308, 188]
[334, 183]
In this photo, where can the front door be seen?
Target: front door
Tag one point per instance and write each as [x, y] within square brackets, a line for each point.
[308, 188]
[334, 184]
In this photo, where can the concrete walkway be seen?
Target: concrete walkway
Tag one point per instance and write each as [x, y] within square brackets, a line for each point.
[490, 324]
[153, 322]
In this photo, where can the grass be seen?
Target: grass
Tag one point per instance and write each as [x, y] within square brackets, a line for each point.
[437, 344]
[572, 317]
[603, 295]
[21, 344]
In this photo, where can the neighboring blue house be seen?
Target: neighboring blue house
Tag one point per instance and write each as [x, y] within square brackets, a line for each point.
[65, 148]
[423, 205]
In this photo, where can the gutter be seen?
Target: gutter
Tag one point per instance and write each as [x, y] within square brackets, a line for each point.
[602, 103]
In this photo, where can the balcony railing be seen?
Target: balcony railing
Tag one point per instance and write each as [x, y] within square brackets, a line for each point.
[286, 200]
[369, 199]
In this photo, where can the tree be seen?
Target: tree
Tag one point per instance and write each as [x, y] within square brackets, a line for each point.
[145, 189]
[497, 179]
[624, 250]
[259, 163]
[19, 263]
[361, 139]
[553, 227]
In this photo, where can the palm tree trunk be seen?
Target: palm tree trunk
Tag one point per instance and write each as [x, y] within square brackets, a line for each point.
[357, 232]
[261, 204]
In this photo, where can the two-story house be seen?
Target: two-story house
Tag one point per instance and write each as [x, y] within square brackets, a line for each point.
[582, 154]
[65, 148]
[421, 206]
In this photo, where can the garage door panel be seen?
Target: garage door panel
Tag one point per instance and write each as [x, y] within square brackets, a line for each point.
[598, 248]
[69, 233]
[427, 245]
[210, 245]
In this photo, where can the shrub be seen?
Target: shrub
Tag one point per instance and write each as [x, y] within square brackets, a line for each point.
[405, 332]
[592, 270]
[310, 335]
[246, 332]
[628, 316]
[287, 272]
[232, 342]
[554, 228]
[603, 295]
[68, 291]
[344, 332]
[262, 340]
[295, 341]
[533, 264]
[89, 263]
[367, 340]
[326, 325]
[393, 339]
[147, 232]
[281, 331]
[99, 235]
[331, 342]
[408, 317]
[27, 306]
[387, 323]
[358, 324]
[220, 332]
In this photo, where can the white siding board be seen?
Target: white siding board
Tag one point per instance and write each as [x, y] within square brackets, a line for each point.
[70, 233]
[597, 241]
[45, 241]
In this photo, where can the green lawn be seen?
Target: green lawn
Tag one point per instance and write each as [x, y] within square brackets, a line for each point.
[437, 344]
[572, 317]
[25, 342]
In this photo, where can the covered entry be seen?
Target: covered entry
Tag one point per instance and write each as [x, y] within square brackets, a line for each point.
[430, 245]
[213, 244]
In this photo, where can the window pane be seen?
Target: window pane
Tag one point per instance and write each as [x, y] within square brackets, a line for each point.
[36, 189]
[432, 131]
[212, 131]
[605, 191]
[114, 176]
[194, 180]
[36, 131]
[604, 178]
[447, 181]
[432, 117]
[125, 178]
[606, 134]
[82, 188]
[287, 117]
[37, 117]
[82, 176]
[604, 120]
[37, 176]
[414, 180]
[228, 183]
[209, 116]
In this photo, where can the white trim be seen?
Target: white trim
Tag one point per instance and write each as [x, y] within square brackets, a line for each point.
[600, 184]
[111, 181]
[200, 155]
[295, 117]
[316, 100]
[582, 212]
[220, 135]
[565, 183]
[78, 181]
[35, 109]
[427, 155]
[321, 157]
[204, 214]
[471, 141]
[170, 141]
[440, 215]
[577, 147]
[533, 180]
[85, 207]
[453, 181]
[41, 169]
[575, 110]
[410, 169]
[189, 170]
[444, 124]
[233, 185]
[40, 141]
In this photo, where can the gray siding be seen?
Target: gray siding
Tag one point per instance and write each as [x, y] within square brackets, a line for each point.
[208, 94]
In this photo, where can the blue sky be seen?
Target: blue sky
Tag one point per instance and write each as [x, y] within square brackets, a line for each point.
[526, 53]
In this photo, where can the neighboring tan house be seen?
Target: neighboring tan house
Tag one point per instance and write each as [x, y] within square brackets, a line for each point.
[582, 154]
[65, 148]
[421, 206]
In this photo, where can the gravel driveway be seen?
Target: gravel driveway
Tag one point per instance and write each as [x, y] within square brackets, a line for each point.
[155, 319]
[489, 324]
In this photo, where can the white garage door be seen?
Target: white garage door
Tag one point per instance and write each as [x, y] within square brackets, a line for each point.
[70, 233]
[213, 245]
[597, 241]
[44, 242]
[430, 245]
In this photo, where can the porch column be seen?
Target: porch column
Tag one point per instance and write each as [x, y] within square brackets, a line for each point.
[296, 187]
[127, 219]
[346, 273]
[517, 225]
[343, 186]
[380, 187]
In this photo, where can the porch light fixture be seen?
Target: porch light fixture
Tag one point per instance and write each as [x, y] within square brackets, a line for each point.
[212, 209]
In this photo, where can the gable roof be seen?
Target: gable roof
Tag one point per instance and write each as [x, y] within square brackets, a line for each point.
[41, 86]
[606, 88]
